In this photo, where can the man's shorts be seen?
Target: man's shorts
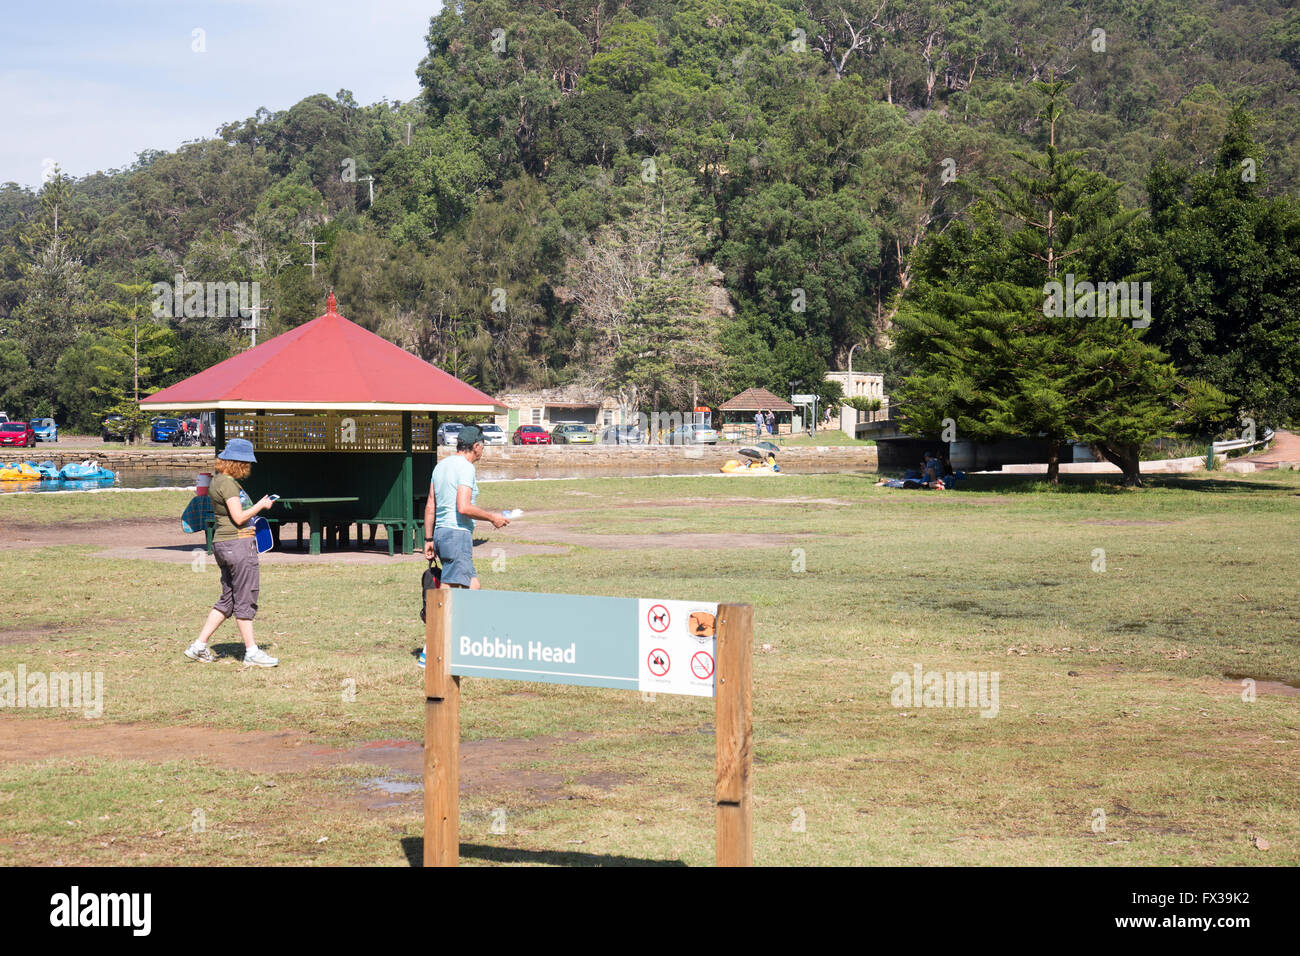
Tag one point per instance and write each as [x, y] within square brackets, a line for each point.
[455, 547]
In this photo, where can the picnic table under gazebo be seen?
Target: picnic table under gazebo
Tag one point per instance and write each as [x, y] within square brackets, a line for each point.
[343, 422]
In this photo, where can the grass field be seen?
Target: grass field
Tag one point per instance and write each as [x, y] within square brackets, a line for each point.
[1120, 626]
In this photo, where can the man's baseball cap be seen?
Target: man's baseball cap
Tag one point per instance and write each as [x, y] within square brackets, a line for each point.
[238, 449]
[469, 435]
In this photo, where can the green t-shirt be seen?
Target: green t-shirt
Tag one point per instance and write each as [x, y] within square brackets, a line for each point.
[223, 487]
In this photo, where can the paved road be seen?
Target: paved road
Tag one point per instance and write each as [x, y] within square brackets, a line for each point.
[1285, 450]
[94, 443]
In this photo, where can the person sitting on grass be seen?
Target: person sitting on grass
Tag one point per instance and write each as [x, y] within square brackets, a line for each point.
[234, 546]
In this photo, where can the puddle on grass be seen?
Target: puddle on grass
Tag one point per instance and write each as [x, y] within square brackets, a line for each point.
[392, 786]
[1284, 688]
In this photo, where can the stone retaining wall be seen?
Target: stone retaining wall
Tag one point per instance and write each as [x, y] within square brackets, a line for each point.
[113, 458]
[579, 461]
[510, 461]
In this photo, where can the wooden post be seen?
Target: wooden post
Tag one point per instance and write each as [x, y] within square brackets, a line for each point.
[441, 736]
[734, 728]
[408, 491]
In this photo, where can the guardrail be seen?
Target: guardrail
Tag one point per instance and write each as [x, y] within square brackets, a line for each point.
[1223, 447]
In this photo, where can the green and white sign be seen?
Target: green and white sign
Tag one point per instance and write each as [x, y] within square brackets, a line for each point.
[666, 647]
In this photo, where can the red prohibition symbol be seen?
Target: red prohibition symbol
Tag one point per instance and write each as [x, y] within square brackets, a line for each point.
[658, 618]
[658, 662]
[702, 665]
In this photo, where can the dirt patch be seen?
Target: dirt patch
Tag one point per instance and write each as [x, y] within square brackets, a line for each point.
[28, 634]
[683, 541]
[369, 554]
[1123, 521]
[715, 502]
[161, 539]
[486, 766]
[123, 531]
[1263, 688]
[158, 539]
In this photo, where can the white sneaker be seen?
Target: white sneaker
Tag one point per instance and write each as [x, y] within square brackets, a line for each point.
[201, 653]
[259, 658]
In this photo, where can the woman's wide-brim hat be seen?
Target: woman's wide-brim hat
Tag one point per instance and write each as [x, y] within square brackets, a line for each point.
[238, 449]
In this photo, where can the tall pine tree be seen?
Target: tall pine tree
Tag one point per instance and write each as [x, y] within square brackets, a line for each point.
[1008, 335]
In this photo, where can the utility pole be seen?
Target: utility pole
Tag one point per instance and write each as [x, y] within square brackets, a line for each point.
[314, 243]
[253, 323]
[370, 181]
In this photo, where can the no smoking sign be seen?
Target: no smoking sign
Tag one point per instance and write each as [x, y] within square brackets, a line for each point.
[702, 665]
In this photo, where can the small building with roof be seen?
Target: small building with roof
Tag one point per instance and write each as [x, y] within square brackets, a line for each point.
[738, 412]
[335, 413]
[546, 407]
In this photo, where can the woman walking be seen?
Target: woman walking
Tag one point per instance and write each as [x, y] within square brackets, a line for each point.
[235, 548]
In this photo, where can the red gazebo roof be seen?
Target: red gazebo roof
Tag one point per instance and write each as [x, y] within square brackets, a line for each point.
[328, 363]
[756, 399]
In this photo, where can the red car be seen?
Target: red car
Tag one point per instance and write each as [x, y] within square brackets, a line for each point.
[17, 433]
[530, 435]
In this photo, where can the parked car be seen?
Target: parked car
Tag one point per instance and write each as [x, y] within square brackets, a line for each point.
[116, 428]
[17, 433]
[493, 434]
[571, 433]
[164, 428]
[530, 435]
[622, 435]
[448, 431]
[693, 435]
[45, 429]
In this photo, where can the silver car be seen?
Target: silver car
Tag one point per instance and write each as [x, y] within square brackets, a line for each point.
[492, 434]
[693, 435]
[447, 433]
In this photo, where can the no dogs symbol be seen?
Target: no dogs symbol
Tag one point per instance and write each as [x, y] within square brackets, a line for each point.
[658, 618]
[658, 662]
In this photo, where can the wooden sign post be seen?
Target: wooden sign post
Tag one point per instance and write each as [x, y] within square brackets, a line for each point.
[673, 647]
[734, 730]
[441, 736]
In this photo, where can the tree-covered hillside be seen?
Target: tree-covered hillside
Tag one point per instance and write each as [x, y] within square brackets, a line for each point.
[669, 199]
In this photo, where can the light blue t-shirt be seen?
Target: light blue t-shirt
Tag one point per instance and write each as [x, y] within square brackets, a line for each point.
[450, 473]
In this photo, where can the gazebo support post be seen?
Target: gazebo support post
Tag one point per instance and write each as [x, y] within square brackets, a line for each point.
[408, 489]
[219, 439]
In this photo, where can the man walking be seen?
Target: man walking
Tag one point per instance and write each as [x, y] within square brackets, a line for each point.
[451, 510]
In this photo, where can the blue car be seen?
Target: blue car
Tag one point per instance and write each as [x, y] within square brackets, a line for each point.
[164, 428]
[45, 429]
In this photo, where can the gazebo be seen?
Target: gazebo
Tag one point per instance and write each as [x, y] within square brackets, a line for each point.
[344, 423]
[740, 410]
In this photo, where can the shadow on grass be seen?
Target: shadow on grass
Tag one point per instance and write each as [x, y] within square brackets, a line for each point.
[1101, 484]
[236, 650]
[413, 848]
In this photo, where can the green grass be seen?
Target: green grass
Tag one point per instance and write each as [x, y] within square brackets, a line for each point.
[1114, 686]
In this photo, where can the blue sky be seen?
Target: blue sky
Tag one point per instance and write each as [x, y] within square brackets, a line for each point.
[91, 83]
